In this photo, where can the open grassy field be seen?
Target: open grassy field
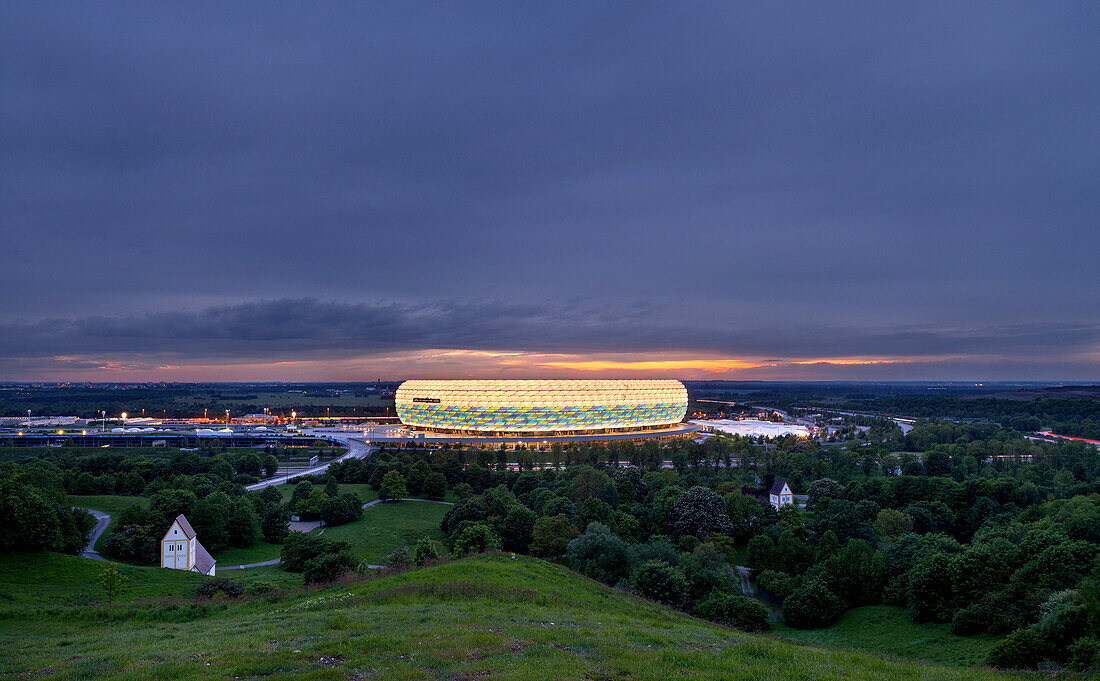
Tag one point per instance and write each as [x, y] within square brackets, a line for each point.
[478, 618]
[381, 528]
[386, 526]
[364, 491]
[888, 629]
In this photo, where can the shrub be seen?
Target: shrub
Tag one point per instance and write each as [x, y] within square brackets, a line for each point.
[973, 619]
[301, 548]
[777, 584]
[398, 558]
[210, 588]
[734, 610]
[425, 550]
[476, 538]
[1063, 618]
[260, 588]
[328, 567]
[1022, 649]
[812, 606]
[1084, 654]
[660, 581]
[687, 543]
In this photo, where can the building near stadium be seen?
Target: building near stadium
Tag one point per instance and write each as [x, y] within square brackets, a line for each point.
[573, 409]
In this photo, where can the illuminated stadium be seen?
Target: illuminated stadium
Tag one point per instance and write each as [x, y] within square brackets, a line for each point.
[555, 409]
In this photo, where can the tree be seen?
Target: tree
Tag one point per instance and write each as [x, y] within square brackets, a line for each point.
[250, 464]
[271, 496]
[893, 523]
[435, 486]
[761, 552]
[812, 606]
[208, 520]
[699, 512]
[659, 581]
[242, 526]
[477, 538]
[518, 526]
[112, 581]
[825, 488]
[599, 554]
[551, 535]
[301, 492]
[393, 487]
[273, 524]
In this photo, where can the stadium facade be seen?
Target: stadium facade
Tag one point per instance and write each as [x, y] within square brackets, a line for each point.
[543, 408]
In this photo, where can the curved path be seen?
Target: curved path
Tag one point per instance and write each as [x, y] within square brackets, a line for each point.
[102, 520]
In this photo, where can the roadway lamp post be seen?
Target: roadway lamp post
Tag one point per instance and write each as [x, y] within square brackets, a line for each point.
[102, 420]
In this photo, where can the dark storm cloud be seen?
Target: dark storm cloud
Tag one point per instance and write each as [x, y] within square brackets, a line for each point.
[306, 328]
[789, 180]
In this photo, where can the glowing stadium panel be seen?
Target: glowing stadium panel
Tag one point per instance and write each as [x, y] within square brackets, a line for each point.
[540, 406]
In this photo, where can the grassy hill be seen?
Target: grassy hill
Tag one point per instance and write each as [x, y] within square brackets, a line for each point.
[479, 618]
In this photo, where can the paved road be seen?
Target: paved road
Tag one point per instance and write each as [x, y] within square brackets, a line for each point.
[358, 448]
[746, 585]
[102, 520]
[273, 561]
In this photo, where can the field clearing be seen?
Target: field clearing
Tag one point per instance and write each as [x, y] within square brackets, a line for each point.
[384, 527]
[888, 629]
[498, 617]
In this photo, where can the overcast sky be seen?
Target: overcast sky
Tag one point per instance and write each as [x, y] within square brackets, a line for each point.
[345, 192]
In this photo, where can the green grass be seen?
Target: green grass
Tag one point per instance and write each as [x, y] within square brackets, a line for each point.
[364, 491]
[258, 552]
[381, 528]
[110, 504]
[55, 578]
[386, 526]
[888, 629]
[479, 618]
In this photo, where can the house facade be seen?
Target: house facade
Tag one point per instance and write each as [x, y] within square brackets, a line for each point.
[181, 550]
[780, 494]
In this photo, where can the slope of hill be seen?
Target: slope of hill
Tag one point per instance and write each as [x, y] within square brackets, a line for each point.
[480, 618]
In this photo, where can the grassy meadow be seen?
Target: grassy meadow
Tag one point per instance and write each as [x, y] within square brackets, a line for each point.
[479, 618]
[386, 526]
[888, 629]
